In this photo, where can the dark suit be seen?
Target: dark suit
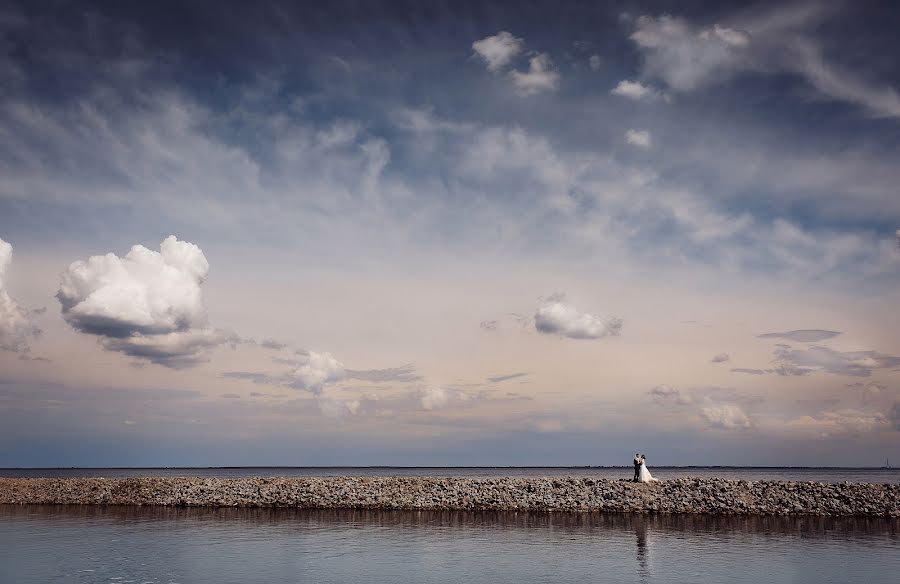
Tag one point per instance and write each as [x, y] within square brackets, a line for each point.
[637, 469]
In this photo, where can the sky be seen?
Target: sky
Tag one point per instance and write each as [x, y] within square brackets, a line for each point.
[449, 233]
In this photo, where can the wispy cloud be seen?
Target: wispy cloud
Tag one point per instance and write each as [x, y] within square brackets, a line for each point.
[779, 40]
[791, 362]
[749, 371]
[403, 374]
[507, 377]
[802, 336]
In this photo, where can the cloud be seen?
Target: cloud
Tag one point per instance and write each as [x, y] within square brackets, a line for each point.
[404, 374]
[727, 417]
[310, 370]
[684, 57]
[729, 36]
[499, 378]
[16, 325]
[721, 358]
[779, 41]
[794, 362]
[541, 76]
[802, 336]
[748, 371]
[595, 62]
[558, 317]
[841, 85]
[667, 394]
[634, 90]
[847, 422]
[489, 325]
[259, 378]
[894, 415]
[498, 50]
[316, 370]
[147, 304]
[430, 398]
[271, 344]
[720, 407]
[433, 397]
[639, 138]
[868, 392]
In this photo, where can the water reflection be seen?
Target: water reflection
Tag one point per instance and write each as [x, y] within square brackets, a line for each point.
[640, 532]
[639, 524]
[87, 544]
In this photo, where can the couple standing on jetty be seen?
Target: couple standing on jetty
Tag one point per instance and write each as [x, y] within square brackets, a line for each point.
[641, 474]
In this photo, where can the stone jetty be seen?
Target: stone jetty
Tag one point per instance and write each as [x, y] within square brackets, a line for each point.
[685, 495]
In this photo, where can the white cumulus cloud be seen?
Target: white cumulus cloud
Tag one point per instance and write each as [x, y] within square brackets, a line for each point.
[633, 90]
[16, 325]
[541, 76]
[498, 50]
[316, 370]
[639, 138]
[726, 416]
[558, 317]
[147, 304]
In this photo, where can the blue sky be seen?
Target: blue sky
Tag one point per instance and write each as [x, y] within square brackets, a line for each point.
[467, 233]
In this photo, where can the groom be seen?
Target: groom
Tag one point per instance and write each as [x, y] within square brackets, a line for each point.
[637, 467]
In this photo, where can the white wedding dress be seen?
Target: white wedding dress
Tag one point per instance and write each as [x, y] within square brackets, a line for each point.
[645, 476]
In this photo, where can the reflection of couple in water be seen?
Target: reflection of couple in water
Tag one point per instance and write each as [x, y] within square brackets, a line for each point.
[641, 474]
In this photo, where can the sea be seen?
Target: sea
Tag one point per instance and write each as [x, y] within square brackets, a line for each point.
[164, 545]
[816, 474]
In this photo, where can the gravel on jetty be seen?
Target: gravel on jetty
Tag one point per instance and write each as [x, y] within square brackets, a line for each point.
[686, 495]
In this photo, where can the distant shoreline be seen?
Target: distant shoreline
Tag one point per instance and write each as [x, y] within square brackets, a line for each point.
[585, 467]
[683, 495]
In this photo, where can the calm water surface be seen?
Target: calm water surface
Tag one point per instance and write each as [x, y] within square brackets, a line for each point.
[167, 545]
[832, 475]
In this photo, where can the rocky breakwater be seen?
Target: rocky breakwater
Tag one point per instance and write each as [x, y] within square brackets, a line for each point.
[688, 495]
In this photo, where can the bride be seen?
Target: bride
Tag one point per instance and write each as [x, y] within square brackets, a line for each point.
[645, 476]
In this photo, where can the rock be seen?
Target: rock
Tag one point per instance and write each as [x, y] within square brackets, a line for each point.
[689, 495]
